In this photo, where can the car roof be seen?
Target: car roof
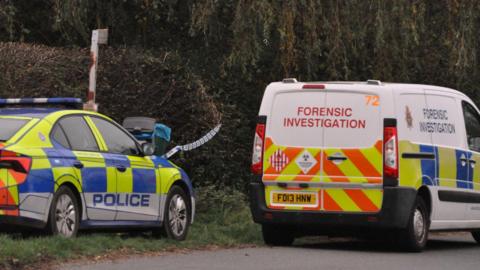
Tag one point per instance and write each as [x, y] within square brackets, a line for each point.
[28, 112]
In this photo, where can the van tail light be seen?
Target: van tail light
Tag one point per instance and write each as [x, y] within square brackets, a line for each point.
[17, 165]
[390, 152]
[257, 156]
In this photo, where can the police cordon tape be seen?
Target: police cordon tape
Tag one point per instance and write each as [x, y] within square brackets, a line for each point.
[195, 144]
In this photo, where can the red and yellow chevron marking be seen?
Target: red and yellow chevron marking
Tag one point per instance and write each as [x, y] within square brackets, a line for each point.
[9, 197]
[291, 172]
[9, 180]
[362, 166]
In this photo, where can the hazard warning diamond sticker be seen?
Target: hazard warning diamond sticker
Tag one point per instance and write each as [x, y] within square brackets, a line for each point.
[279, 160]
[306, 161]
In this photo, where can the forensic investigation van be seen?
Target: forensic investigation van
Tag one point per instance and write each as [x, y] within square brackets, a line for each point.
[333, 157]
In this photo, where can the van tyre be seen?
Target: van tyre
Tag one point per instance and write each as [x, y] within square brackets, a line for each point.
[414, 237]
[277, 236]
[64, 214]
[177, 214]
[476, 236]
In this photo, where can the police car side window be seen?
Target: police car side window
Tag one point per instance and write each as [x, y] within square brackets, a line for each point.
[60, 137]
[472, 125]
[78, 133]
[118, 142]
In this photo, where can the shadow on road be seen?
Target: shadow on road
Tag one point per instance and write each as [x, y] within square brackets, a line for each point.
[435, 244]
[382, 246]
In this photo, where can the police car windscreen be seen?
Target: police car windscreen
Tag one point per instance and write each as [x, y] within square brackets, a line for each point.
[8, 127]
[325, 119]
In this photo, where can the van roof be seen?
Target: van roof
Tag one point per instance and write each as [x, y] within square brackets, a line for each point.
[293, 83]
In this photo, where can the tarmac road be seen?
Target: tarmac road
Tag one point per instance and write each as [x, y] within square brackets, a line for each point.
[444, 251]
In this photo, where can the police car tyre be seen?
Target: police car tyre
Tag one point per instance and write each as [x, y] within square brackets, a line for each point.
[414, 237]
[476, 236]
[64, 215]
[274, 235]
[177, 214]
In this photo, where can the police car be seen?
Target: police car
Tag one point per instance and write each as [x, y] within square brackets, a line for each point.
[342, 157]
[65, 169]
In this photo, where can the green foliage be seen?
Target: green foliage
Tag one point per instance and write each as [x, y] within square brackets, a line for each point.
[223, 220]
[225, 52]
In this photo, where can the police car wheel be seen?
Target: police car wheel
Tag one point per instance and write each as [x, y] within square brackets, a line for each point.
[64, 216]
[414, 237]
[476, 236]
[277, 235]
[177, 214]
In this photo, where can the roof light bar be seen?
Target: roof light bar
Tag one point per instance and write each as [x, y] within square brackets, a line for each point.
[65, 101]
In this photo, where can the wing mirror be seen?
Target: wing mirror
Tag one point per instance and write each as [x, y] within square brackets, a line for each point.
[148, 149]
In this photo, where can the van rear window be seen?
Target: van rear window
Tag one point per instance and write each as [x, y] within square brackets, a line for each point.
[342, 119]
[8, 127]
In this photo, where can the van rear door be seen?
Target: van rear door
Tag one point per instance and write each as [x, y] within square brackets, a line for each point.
[352, 152]
[293, 151]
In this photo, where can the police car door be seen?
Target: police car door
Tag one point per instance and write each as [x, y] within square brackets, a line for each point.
[80, 151]
[137, 179]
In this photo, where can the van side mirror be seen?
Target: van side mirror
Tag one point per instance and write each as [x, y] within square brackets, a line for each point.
[148, 149]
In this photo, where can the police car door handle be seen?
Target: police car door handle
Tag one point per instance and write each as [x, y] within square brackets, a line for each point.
[77, 164]
[121, 168]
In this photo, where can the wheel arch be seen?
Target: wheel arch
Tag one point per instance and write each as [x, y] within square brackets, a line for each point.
[181, 180]
[424, 193]
[73, 184]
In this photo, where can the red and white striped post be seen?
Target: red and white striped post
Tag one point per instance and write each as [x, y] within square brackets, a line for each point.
[99, 36]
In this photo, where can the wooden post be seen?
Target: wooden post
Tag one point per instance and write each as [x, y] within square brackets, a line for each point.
[99, 36]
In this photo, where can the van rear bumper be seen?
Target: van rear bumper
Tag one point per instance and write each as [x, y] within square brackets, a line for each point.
[396, 208]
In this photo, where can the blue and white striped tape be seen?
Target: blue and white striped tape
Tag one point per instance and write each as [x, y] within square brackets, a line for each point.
[195, 144]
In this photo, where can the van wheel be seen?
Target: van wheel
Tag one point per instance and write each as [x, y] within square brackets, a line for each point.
[476, 236]
[277, 235]
[64, 215]
[176, 215]
[414, 237]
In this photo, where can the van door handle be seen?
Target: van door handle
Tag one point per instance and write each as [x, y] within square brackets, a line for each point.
[121, 168]
[77, 164]
[332, 158]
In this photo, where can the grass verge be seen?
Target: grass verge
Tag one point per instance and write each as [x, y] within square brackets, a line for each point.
[223, 219]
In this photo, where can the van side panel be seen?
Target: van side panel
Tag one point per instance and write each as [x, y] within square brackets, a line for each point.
[416, 156]
[444, 118]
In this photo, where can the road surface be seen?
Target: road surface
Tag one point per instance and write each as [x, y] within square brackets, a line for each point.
[445, 251]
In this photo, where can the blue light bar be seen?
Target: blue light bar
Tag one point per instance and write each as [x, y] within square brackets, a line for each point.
[61, 101]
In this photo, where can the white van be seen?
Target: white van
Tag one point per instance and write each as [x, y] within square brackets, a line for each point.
[332, 157]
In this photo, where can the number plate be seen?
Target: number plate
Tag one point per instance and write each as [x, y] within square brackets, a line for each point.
[295, 198]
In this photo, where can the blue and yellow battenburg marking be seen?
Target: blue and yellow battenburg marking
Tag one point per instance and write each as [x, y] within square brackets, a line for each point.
[53, 165]
[448, 168]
